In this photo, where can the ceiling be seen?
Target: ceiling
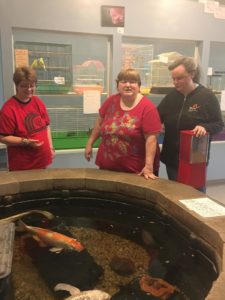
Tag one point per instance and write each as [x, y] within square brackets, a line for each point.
[221, 2]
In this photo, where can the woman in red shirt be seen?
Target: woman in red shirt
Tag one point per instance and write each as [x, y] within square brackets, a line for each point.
[128, 124]
[24, 125]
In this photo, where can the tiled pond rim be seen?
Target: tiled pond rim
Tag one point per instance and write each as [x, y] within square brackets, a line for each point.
[162, 195]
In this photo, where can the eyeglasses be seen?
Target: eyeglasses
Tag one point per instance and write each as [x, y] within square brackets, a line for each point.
[128, 81]
[27, 86]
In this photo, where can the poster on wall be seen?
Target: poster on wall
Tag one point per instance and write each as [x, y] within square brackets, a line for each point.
[91, 101]
[112, 16]
[21, 57]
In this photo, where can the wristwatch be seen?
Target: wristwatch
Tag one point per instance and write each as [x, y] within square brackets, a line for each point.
[25, 142]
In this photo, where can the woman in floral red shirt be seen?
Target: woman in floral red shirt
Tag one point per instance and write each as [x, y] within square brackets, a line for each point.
[128, 124]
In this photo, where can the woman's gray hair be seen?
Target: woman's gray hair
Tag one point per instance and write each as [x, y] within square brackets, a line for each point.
[190, 65]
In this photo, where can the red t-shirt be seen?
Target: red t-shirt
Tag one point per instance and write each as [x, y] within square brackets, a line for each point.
[27, 120]
[122, 146]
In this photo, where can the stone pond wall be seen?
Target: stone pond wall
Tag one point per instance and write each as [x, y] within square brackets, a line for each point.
[161, 194]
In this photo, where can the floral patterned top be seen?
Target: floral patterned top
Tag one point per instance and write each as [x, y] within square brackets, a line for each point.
[122, 146]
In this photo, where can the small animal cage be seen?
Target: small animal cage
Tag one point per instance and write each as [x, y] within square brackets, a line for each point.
[161, 81]
[53, 65]
[138, 57]
[70, 127]
[89, 76]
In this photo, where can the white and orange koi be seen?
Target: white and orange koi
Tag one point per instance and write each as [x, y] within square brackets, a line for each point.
[76, 294]
[56, 240]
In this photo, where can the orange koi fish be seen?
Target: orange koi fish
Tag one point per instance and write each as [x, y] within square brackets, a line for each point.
[157, 287]
[56, 240]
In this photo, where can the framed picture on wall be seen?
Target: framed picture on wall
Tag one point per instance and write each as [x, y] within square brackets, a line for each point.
[112, 16]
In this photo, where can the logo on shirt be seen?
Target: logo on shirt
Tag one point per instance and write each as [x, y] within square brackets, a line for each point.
[34, 123]
[194, 107]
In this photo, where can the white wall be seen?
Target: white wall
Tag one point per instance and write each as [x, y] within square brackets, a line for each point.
[174, 19]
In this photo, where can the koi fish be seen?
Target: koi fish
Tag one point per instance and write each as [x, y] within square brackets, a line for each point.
[46, 214]
[76, 294]
[157, 287]
[56, 240]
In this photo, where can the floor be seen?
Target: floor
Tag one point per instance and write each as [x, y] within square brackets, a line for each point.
[216, 190]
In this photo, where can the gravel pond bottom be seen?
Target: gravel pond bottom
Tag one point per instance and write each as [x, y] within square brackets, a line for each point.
[101, 246]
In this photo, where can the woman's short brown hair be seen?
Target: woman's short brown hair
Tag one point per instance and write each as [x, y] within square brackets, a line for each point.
[24, 74]
[129, 75]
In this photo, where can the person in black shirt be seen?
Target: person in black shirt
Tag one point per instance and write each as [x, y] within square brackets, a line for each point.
[189, 106]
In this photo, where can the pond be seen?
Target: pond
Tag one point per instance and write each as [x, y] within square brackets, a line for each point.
[123, 242]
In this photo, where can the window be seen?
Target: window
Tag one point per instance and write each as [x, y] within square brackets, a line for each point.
[67, 64]
[151, 58]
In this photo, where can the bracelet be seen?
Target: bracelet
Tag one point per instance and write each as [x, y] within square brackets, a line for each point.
[25, 142]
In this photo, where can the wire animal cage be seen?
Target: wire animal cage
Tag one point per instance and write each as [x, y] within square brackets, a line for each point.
[53, 65]
[88, 76]
[161, 81]
[70, 127]
[138, 57]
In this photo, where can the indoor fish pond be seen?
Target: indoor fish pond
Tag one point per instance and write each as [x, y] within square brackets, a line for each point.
[126, 250]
